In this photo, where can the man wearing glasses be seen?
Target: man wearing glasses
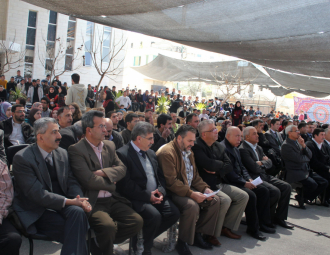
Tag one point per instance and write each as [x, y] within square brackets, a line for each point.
[97, 167]
[16, 130]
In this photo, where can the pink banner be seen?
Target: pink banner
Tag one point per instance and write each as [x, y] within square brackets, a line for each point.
[316, 109]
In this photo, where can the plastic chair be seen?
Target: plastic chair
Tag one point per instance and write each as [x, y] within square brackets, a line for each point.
[11, 151]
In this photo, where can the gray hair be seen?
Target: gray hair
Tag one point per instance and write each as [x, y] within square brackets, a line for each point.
[142, 129]
[40, 126]
[78, 128]
[289, 129]
[203, 124]
[246, 131]
[88, 119]
[326, 130]
[230, 129]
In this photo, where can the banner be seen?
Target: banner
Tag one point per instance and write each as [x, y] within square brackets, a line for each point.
[316, 109]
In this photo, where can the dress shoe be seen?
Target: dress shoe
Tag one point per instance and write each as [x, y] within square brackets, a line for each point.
[227, 232]
[146, 253]
[300, 201]
[266, 229]
[182, 248]
[326, 204]
[283, 224]
[257, 235]
[271, 225]
[212, 240]
[199, 242]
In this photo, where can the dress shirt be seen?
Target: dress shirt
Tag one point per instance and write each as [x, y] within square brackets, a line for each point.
[319, 145]
[189, 167]
[98, 152]
[204, 116]
[16, 136]
[111, 138]
[254, 148]
[6, 191]
[137, 149]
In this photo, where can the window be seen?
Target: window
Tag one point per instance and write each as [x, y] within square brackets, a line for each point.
[147, 58]
[30, 43]
[137, 61]
[106, 44]
[70, 41]
[51, 38]
[89, 43]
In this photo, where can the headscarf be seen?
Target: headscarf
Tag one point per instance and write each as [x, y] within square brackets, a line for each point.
[31, 115]
[3, 109]
[55, 109]
[108, 98]
[52, 95]
[35, 105]
[236, 107]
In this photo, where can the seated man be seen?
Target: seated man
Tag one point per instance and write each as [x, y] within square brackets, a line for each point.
[113, 115]
[256, 164]
[193, 120]
[184, 113]
[97, 167]
[232, 199]
[199, 214]
[45, 107]
[303, 131]
[64, 117]
[163, 134]
[71, 135]
[16, 130]
[10, 239]
[113, 135]
[144, 185]
[296, 156]
[48, 199]
[320, 161]
[131, 119]
[257, 210]
[274, 137]
[262, 142]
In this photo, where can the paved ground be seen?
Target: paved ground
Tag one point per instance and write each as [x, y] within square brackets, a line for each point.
[283, 242]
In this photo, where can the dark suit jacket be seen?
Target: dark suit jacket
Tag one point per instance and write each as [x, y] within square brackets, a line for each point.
[296, 161]
[249, 160]
[320, 161]
[69, 137]
[33, 186]
[117, 139]
[272, 141]
[181, 114]
[217, 162]
[239, 176]
[306, 138]
[263, 142]
[326, 147]
[133, 185]
[84, 162]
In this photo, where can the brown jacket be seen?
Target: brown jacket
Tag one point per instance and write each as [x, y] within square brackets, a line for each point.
[171, 161]
[84, 162]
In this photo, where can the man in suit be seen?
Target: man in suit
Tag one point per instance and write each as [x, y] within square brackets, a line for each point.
[113, 135]
[303, 131]
[71, 135]
[296, 156]
[199, 214]
[320, 161]
[48, 199]
[163, 134]
[310, 130]
[16, 130]
[144, 185]
[256, 163]
[184, 113]
[257, 210]
[274, 138]
[326, 142]
[285, 123]
[263, 142]
[232, 199]
[97, 167]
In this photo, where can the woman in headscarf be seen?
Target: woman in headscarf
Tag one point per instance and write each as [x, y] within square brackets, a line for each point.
[108, 103]
[5, 111]
[37, 105]
[61, 100]
[237, 114]
[222, 133]
[54, 113]
[34, 115]
[53, 97]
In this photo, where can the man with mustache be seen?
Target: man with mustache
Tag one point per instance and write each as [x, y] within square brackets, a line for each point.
[162, 134]
[144, 185]
[64, 117]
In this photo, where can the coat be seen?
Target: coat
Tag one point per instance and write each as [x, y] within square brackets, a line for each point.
[272, 141]
[320, 161]
[31, 93]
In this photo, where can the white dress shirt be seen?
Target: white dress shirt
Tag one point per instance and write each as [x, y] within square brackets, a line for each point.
[16, 136]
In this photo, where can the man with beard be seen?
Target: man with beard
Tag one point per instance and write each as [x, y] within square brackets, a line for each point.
[64, 117]
[162, 134]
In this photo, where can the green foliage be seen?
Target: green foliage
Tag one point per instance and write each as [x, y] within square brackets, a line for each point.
[200, 106]
[17, 94]
[163, 104]
[119, 94]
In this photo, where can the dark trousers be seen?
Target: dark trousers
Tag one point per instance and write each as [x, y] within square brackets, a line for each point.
[113, 222]
[327, 192]
[91, 103]
[68, 226]
[313, 186]
[142, 106]
[10, 239]
[279, 192]
[135, 106]
[257, 210]
[157, 218]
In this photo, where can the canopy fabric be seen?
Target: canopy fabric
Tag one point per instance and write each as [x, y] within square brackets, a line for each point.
[280, 91]
[292, 36]
[164, 68]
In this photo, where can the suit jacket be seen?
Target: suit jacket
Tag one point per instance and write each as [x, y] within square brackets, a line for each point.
[217, 162]
[272, 141]
[33, 186]
[7, 127]
[306, 138]
[126, 134]
[320, 161]
[159, 141]
[133, 185]
[326, 147]
[181, 114]
[84, 162]
[249, 160]
[117, 139]
[263, 142]
[69, 137]
[31, 93]
[239, 176]
[296, 161]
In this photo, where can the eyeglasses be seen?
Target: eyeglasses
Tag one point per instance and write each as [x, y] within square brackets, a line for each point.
[150, 138]
[100, 126]
[213, 130]
[297, 131]
[21, 111]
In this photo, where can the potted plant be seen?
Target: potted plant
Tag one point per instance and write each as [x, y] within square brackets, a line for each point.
[163, 105]
[200, 106]
[17, 94]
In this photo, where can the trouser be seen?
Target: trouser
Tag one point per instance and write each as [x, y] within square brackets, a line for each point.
[279, 192]
[327, 192]
[195, 219]
[135, 106]
[113, 222]
[10, 239]
[142, 106]
[257, 210]
[157, 218]
[232, 205]
[68, 226]
[91, 103]
[313, 186]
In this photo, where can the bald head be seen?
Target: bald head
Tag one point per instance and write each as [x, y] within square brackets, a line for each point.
[233, 135]
[109, 127]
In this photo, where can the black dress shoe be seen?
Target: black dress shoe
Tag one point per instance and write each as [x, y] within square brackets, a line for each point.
[326, 204]
[300, 201]
[182, 248]
[266, 229]
[257, 235]
[146, 253]
[199, 242]
[283, 224]
[271, 225]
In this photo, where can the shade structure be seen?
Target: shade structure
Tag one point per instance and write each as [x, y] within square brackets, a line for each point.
[292, 36]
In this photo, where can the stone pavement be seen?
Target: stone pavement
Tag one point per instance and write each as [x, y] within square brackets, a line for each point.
[283, 242]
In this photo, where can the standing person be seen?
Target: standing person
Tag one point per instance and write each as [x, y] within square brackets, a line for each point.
[90, 96]
[123, 100]
[11, 86]
[135, 104]
[237, 114]
[35, 93]
[61, 97]
[18, 77]
[77, 93]
[53, 97]
[3, 94]
[108, 103]
[139, 100]
[3, 81]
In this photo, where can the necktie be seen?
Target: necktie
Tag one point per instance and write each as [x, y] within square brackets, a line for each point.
[49, 159]
[143, 153]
